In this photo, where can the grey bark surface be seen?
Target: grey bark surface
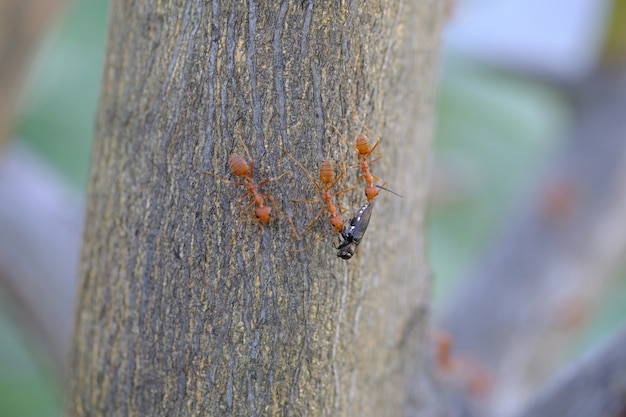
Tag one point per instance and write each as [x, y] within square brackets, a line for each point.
[187, 307]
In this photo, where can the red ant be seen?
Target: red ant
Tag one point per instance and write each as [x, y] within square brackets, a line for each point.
[365, 150]
[328, 180]
[242, 168]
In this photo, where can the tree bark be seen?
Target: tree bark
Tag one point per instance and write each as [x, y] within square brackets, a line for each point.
[187, 307]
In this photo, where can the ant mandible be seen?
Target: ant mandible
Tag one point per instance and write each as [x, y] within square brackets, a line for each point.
[245, 169]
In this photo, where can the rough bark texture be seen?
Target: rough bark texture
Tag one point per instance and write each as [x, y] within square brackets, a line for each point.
[186, 307]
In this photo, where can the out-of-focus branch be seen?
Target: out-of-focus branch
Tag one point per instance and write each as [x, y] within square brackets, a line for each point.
[521, 305]
[21, 24]
[595, 386]
[41, 222]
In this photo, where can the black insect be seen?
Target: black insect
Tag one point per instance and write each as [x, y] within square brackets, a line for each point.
[353, 231]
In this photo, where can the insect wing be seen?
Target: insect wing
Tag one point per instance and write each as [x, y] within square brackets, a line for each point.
[353, 232]
[358, 224]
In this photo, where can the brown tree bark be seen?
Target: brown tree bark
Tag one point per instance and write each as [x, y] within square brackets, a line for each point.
[186, 306]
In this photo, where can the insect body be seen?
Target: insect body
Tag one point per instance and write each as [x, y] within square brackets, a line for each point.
[353, 231]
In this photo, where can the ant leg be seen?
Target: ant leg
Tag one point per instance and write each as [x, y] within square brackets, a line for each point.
[241, 210]
[315, 219]
[342, 137]
[375, 177]
[339, 177]
[316, 200]
[319, 237]
[280, 213]
[364, 126]
[375, 159]
[226, 181]
[363, 176]
[273, 179]
[306, 171]
[371, 151]
[345, 190]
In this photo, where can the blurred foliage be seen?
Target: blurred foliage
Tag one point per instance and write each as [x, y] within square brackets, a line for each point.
[27, 387]
[498, 128]
[57, 118]
[59, 108]
[604, 322]
[615, 44]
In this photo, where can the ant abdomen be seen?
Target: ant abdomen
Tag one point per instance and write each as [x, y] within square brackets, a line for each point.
[238, 165]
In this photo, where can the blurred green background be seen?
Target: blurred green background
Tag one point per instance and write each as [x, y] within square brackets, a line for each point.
[497, 128]
[56, 118]
[60, 101]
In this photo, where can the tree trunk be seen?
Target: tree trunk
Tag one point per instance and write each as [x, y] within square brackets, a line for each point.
[187, 306]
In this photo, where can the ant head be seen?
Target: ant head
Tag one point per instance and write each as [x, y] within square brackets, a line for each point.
[362, 144]
[238, 165]
[263, 214]
[337, 222]
[371, 193]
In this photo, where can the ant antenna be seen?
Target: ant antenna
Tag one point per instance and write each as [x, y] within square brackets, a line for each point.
[387, 189]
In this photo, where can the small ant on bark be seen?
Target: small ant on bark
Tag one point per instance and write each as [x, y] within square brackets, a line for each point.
[245, 169]
[364, 150]
[328, 180]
